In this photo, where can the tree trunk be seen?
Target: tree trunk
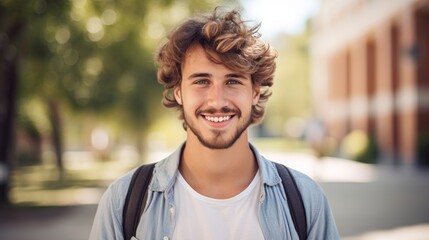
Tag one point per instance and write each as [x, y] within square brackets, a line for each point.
[8, 86]
[57, 140]
[8, 100]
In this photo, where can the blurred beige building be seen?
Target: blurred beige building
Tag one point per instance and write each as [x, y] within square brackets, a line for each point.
[370, 72]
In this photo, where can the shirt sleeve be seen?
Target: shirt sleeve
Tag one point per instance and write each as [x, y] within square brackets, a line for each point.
[322, 224]
[107, 223]
[320, 220]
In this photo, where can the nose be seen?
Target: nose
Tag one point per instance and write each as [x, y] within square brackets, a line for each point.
[217, 97]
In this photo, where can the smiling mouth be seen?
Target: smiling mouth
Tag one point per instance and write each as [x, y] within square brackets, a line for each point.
[218, 119]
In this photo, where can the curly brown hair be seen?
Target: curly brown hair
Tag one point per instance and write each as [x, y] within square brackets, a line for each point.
[238, 46]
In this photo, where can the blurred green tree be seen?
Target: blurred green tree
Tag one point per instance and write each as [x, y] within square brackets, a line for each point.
[291, 97]
[92, 57]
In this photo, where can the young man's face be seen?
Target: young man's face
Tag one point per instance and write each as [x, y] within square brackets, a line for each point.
[217, 101]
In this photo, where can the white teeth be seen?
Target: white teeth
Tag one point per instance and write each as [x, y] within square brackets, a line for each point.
[218, 119]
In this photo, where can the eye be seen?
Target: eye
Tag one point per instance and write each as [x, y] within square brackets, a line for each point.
[232, 82]
[201, 82]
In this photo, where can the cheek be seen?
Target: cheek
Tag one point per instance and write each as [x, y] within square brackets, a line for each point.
[192, 99]
[245, 102]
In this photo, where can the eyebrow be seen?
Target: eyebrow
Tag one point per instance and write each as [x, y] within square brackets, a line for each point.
[235, 75]
[199, 75]
[208, 75]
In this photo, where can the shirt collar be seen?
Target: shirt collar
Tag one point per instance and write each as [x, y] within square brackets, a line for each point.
[165, 171]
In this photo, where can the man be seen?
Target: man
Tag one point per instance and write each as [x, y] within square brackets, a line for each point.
[216, 185]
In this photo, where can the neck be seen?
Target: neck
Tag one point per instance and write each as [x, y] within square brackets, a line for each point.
[218, 173]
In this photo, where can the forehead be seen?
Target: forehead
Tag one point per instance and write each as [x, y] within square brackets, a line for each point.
[200, 59]
[197, 54]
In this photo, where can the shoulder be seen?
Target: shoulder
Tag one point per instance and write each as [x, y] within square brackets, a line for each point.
[108, 219]
[117, 190]
[320, 219]
[314, 199]
[304, 182]
[310, 190]
[124, 180]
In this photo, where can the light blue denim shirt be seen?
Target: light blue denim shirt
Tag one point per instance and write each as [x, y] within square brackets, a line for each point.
[159, 219]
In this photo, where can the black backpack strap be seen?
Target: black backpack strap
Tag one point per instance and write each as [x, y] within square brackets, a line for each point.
[296, 206]
[136, 199]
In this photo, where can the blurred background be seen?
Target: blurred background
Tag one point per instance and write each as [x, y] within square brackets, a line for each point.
[80, 106]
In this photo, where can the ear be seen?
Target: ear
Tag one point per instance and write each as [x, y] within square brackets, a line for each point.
[256, 95]
[177, 94]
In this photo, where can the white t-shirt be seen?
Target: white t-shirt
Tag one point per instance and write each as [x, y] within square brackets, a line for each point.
[201, 217]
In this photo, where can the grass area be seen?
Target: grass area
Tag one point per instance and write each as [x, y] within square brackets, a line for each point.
[85, 178]
[280, 145]
[45, 185]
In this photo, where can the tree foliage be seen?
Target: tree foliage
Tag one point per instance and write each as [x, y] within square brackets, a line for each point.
[92, 57]
[291, 89]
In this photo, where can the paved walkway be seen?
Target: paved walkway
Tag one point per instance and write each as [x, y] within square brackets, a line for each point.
[368, 202]
[46, 223]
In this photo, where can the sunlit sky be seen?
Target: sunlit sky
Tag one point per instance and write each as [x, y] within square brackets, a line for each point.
[280, 15]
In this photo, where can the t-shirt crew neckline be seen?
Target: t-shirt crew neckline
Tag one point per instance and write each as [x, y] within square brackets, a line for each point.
[218, 201]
